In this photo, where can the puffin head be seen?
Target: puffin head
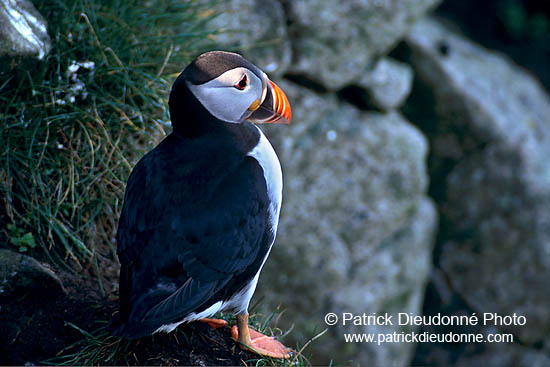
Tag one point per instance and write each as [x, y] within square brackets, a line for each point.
[231, 89]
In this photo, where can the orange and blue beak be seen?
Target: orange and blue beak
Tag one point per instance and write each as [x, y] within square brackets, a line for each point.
[274, 107]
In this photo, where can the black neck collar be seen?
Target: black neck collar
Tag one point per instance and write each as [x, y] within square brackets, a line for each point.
[189, 117]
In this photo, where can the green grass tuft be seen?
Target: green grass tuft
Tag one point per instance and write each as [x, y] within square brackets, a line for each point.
[99, 347]
[73, 125]
[96, 348]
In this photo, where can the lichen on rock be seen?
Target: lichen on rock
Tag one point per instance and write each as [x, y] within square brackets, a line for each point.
[495, 252]
[356, 228]
[23, 31]
[334, 42]
[257, 29]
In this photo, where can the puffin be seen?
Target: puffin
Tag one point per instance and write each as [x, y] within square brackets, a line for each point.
[201, 209]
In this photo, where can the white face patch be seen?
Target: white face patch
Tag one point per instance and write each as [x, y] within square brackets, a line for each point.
[226, 102]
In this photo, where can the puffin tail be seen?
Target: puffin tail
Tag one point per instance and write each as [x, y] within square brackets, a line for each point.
[119, 327]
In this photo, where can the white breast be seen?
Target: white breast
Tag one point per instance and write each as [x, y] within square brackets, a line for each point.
[273, 175]
[266, 157]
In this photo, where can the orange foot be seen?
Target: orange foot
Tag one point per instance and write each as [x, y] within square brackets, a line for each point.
[257, 342]
[214, 323]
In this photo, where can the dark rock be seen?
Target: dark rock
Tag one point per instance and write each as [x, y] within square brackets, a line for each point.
[493, 125]
[22, 275]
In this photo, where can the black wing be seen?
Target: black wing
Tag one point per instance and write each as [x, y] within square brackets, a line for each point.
[185, 233]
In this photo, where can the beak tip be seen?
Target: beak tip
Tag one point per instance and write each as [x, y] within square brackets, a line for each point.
[275, 109]
[282, 106]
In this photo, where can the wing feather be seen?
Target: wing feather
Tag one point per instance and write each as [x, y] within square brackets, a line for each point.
[186, 233]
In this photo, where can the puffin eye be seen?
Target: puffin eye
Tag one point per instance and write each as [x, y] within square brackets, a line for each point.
[242, 83]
